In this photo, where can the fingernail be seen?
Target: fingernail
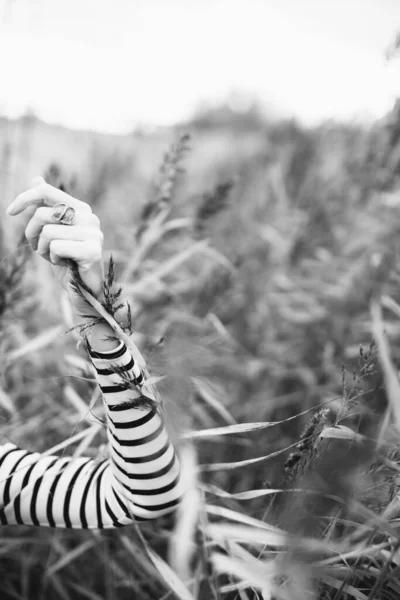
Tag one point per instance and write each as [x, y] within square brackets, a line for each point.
[10, 209]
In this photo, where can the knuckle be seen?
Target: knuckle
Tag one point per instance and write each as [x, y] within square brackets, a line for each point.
[44, 189]
[84, 207]
[41, 249]
[95, 219]
[93, 235]
[94, 249]
[29, 235]
[47, 231]
[53, 251]
[42, 213]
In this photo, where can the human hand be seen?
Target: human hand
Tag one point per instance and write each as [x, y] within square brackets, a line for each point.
[82, 241]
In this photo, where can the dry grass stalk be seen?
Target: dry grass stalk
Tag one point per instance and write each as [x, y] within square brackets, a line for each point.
[151, 226]
[212, 204]
[391, 377]
[158, 208]
[182, 546]
[13, 298]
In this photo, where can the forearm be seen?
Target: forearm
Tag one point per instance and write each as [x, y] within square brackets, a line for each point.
[144, 464]
[143, 460]
[140, 480]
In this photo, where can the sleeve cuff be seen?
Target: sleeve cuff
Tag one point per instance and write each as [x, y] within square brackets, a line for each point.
[107, 354]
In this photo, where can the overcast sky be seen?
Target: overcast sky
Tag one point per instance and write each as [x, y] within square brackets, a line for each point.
[111, 64]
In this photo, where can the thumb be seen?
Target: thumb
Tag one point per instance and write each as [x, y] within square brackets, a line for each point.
[36, 181]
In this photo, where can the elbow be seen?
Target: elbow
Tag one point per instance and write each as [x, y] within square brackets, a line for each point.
[163, 504]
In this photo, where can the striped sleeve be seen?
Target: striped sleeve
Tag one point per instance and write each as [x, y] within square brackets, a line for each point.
[139, 481]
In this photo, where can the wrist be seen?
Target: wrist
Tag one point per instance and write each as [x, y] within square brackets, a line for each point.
[90, 280]
[100, 337]
[83, 307]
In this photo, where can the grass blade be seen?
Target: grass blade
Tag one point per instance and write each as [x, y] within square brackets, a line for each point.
[70, 557]
[392, 384]
[38, 343]
[182, 544]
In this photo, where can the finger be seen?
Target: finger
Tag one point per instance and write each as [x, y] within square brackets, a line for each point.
[64, 233]
[84, 253]
[44, 216]
[45, 194]
[37, 181]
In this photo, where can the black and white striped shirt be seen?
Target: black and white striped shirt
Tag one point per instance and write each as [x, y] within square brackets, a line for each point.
[139, 481]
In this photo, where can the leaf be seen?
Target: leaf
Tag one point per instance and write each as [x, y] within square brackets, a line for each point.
[69, 441]
[77, 402]
[7, 403]
[249, 535]
[165, 572]
[173, 224]
[367, 551]
[238, 552]
[85, 593]
[389, 303]
[219, 326]
[250, 494]
[259, 535]
[233, 515]
[246, 427]
[229, 429]
[70, 557]
[256, 573]
[245, 463]
[167, 266]
[140, 558]
[87, 440]
[153, 380]
[205, 391]
[340, 432]
[116, 328]
[349, 589]
[68, 313]
[39, 342]
[392, 384]
[219, 257]
[170, 577]
[80, 363]
[153, 236]
[183, 542]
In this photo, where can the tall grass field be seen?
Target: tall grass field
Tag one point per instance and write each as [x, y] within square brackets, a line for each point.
[261, 262]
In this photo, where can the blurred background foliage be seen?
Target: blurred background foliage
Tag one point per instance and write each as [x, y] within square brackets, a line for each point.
[251, 300]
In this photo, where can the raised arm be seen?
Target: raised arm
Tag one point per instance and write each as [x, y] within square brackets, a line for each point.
[140, 479]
